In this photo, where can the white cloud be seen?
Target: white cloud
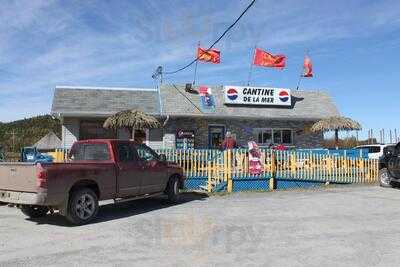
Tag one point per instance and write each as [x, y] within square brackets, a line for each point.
[44, 43]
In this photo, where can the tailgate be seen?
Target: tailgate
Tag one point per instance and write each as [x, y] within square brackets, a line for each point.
[18, 177]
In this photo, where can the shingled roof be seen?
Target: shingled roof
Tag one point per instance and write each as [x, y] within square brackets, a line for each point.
[103, 101]
[175, 101]
[306, 105]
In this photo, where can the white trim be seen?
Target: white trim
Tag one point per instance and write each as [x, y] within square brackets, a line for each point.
[147, 136]
[106, 88]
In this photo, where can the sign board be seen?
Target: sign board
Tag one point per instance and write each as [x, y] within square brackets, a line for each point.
[184, 139]
[246, 95]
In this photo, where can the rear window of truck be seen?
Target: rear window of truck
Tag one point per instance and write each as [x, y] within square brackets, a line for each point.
[90, 152]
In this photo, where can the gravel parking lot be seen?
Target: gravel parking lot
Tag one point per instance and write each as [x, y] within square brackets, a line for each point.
[343, 226]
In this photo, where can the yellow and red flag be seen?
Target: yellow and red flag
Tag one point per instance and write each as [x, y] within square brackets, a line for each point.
[265, 59]
[308, 71]
[212, 55]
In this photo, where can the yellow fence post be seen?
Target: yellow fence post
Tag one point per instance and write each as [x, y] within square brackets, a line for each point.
[209, 174]
[229, 170]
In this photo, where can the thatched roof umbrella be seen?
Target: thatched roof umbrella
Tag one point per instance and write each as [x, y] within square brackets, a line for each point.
[335, 124]
[131, 119]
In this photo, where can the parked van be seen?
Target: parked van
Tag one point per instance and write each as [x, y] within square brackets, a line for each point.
[375, 151]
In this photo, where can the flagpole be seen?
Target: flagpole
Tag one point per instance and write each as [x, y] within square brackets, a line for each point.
[298, 82]
[195, 66]
[251, 66]
[302, 70]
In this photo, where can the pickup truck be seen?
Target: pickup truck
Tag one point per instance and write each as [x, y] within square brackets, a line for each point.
[96, 170]
[392, 171]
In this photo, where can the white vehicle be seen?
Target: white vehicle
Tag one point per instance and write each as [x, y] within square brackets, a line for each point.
[375, 151]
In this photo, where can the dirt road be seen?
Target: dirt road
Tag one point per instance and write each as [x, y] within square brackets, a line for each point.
[346, 226]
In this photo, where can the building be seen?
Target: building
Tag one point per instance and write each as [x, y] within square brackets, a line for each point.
[49, 142]
[193, 119]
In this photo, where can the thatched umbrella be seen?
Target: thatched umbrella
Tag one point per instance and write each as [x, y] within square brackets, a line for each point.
[131, 119]
[335, 124]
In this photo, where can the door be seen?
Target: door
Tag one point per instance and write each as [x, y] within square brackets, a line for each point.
[155, 178]
[130, 171]
[394, 163]
[216, 135]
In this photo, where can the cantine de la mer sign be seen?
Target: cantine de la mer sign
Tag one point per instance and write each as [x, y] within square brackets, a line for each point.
[257, 96]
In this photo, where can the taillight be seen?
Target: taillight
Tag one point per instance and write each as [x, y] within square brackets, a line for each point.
[41, 177]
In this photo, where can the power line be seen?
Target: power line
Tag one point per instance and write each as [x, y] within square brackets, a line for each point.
[219, 39]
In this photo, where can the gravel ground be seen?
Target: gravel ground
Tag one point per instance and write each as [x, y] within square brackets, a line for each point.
[344, 226]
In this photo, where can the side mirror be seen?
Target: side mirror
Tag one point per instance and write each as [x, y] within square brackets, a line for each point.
[162, 157]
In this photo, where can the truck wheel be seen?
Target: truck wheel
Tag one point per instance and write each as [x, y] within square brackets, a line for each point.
[173, 189]
[83, 206]
[34, 211]
[384, 178]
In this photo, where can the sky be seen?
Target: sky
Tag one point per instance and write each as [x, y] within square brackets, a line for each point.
[353, 44]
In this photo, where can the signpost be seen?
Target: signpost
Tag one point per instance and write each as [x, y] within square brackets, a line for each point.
[266, 96]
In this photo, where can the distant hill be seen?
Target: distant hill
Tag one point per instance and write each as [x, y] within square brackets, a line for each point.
[26, 132]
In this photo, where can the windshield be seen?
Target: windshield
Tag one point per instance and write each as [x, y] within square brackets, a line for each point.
[90, 152]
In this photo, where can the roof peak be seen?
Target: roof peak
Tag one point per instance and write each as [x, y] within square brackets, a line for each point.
[105, 88]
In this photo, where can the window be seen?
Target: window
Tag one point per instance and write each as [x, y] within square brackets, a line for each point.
[274, 136]
[397, 149]
[374, 149]
[371, 149]
[90, 152]
[287, 136]
[265, 137]
[126, 153]
[277, 137]
[146, 153]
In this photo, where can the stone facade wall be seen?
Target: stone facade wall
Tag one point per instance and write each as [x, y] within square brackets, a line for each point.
[242, 129]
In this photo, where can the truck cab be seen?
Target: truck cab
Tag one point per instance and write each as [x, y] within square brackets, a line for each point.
[31, 154]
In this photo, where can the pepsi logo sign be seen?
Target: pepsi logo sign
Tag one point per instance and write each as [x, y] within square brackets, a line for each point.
[232, 94]
[283, 96]
[252, 95]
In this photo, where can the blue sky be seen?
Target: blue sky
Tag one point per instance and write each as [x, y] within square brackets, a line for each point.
[354, 46]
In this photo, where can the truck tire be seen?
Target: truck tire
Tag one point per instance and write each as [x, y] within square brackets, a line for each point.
[384, 178]
[83, 206]
[34, 211]
[173, 190]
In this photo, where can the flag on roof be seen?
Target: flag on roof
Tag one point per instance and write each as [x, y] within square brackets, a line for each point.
[212, 55]
[265, 59]
[308, 71]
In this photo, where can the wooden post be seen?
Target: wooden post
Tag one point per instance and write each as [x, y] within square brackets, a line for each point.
[272, 182]
[229, 171]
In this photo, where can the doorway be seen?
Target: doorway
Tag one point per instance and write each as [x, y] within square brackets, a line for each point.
[140, 136]
[216, 135]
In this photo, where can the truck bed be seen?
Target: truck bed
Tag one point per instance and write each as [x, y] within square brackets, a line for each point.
[18, 176]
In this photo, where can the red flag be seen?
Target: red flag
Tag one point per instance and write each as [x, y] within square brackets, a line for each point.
[265, 59]
[212, 55]
[307, 68]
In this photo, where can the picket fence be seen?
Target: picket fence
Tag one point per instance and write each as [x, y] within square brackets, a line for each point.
[221, 170]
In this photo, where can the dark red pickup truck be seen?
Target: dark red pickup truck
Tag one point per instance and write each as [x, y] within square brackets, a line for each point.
[97, 170]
